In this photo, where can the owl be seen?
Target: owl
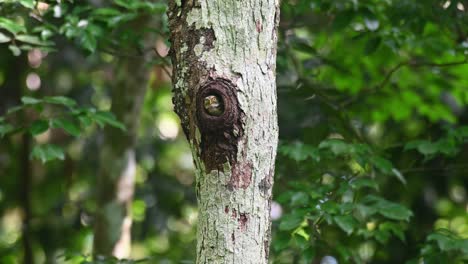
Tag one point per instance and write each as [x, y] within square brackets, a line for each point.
[213, 105]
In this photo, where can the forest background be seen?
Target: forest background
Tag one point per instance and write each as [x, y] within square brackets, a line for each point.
[372, 163]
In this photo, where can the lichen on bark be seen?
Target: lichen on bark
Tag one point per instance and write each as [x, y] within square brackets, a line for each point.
[228, 49]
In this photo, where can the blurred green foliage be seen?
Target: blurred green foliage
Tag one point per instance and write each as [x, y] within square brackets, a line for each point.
[372, 98]
[373, 127]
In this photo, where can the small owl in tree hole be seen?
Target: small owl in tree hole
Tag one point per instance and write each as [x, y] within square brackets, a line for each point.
[213, 105]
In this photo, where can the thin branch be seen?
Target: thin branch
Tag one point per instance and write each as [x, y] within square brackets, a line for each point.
[423, 169]
[447, 64]
[121, 54]
[413, 63]
[389, 74]
[165, 61]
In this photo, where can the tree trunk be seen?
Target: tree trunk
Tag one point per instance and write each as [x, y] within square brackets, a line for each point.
[116, 177]
[224, 55]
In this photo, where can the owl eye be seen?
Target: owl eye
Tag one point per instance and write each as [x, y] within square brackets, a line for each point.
[213, 105]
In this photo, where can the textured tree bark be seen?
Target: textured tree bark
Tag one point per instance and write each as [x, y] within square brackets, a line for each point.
[224, 55]
[116, 177]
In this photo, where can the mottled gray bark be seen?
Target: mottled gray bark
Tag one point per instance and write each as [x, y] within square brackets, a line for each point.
[224, 55]
[116, 177]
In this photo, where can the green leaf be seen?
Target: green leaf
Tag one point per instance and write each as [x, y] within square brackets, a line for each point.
[299, 199]
[382, 164]
[372, 45]
[291, 221]
[305, 48]
[61, 100]
[365, 210]
[394, 211]
[445, 242]
[106, 12]
[400, 176]
[15, 50]
[47, 152]
[382, 236]
[360, 183]
[14, 109]
[423, 146]
[11, 26]
[447, 146]
[46, 33]
[346, 222]
[4, 38]
[346, 207]
[38, 127]
[115, 21]
[300, 242]
[158, 8]
[30, 100]
[103, 118]
[342, 20]
[85, 120]
[32, 40]
[301, 232]
[427, 148]
[308, 255]
[27, 3]
[336, 146]
[388, 209]
[125, 4]
[396, 229]
[67, 125]
[299, 151]
[89, 41]
[5, 129]
[26, 47]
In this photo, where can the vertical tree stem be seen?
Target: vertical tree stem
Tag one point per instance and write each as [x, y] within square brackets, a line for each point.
[25, 192]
